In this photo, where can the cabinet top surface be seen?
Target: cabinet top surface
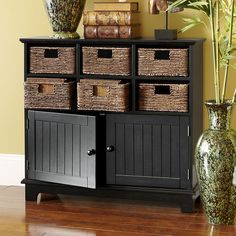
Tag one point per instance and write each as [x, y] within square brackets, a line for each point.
[186, 41]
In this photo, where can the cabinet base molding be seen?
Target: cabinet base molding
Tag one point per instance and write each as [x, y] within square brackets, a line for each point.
[185, 199]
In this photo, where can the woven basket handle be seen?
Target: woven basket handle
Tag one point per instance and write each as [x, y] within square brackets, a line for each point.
[46, 89]
[162, 90]
[162, 55]
[51, 53]
[104, 53]
[101, 90]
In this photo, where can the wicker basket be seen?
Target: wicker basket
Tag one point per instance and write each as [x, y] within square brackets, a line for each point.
[103, 95]
[107, 60]
[162, 62]
[44, 93]
[163, 97]
[52, 60]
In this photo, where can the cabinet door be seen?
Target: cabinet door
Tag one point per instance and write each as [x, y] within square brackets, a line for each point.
[61, 148]
[145, 151]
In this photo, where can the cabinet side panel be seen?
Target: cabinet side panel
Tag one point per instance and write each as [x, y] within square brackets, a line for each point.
[197, 101]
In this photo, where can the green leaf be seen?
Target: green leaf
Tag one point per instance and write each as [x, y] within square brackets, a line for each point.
[191, 23]
[198, 4]
[192, 4]
[230, 57]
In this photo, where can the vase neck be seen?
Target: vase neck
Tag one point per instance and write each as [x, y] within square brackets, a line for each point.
[219, 115]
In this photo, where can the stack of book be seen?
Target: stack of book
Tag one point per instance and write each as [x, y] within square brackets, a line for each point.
[112, 20]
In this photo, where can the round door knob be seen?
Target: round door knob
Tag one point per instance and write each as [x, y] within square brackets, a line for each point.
[91, 152]
[110, 148]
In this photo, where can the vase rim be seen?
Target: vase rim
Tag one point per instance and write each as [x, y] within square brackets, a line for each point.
[213, 102]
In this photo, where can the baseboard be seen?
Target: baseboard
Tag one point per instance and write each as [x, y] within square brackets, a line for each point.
[12, 169]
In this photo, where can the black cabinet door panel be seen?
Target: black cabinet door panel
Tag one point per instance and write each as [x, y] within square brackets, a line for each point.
[57, 148]
[147, 150]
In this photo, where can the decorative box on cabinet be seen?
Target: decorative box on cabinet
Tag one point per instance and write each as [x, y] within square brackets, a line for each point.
[140, 153]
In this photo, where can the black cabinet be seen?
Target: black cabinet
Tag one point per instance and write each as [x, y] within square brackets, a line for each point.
[62, 148]
[143, 153]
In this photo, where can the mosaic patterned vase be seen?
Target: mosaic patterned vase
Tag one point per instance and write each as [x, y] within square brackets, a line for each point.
[64, 16]
[215, 160]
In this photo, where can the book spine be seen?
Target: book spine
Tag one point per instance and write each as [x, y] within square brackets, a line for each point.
[109, 18]
[111, 32]
[90, 32]
[125, 32]
[106, 32]
[122, 6]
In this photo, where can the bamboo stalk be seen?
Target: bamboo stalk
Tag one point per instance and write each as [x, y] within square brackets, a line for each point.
[217, 31]
[234, 97]
[216, 85]
[229, 46]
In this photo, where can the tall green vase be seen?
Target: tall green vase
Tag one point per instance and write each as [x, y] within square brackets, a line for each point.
[64, 16]
[215, 160]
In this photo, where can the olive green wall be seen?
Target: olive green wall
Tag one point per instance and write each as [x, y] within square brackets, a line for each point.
[27, 18]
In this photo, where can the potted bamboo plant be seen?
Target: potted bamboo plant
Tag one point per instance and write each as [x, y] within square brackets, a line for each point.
[215, 155]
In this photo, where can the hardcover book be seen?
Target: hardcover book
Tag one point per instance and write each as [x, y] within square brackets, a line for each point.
[111, 32]
[116, 6]
[110, 18]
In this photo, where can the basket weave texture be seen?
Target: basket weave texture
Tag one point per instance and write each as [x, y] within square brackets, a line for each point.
[118, 62]
[52, 60]
[103, 95]
[151, 63]
[176, 101]
[46, 93]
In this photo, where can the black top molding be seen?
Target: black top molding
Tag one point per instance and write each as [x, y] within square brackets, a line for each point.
[179, 42]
